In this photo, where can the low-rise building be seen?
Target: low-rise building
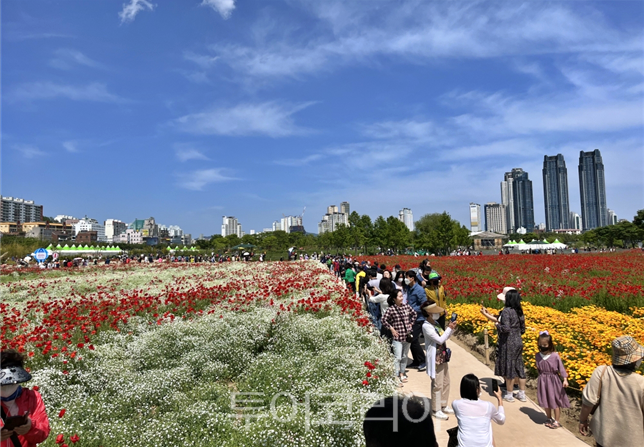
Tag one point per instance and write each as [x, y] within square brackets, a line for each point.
[9, 228]
[87, 224]
[86, 237]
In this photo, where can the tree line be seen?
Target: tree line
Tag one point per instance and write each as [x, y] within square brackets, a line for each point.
[436, 233]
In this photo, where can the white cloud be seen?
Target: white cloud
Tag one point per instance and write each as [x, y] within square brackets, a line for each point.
[50, 90]
[197, 180]
[269, 118]
[185, 152]
[223, 7]
[199, 59]
[424, 32]
[71, 146]
[66, 59]
[131, 9]
[299, 161]
[28, 150]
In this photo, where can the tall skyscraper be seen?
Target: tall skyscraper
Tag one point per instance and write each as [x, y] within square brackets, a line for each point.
[476, 224]
[555, 192]
[345, 208]
[495, 218]
[407, 217]
[592, 188]
[507, 200]
[516, 195]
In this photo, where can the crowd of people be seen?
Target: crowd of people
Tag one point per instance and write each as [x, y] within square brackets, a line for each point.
[405, 304]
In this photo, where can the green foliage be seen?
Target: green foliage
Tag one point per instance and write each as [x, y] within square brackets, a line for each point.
[439, 233]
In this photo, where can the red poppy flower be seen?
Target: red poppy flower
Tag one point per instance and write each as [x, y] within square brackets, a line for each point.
[62, 413]
[60, 438]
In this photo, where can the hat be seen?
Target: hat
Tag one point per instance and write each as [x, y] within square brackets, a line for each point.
[626, 350]
[12, 374]
[434, 275]
[433, 309]
[501, 296]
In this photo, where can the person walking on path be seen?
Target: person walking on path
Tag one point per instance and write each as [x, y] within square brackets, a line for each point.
[475, 416]
[551, 394]
[399, 319]
[350, 278]
[437, 358]
[415, 298]
[616, 394]
[510, 325]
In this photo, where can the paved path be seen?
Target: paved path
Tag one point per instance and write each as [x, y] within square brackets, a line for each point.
[524, 420]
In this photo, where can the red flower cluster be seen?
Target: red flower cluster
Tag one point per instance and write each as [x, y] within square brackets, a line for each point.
[67, 325]
[556, 276]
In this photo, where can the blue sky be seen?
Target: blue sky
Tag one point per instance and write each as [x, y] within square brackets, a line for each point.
[189, 110]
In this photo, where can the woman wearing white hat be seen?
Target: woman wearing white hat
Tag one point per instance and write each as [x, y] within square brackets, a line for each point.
[510, 325]
[616, 394]
[438, 356]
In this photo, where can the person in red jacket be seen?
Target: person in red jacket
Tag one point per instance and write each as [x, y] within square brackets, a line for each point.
[18, 401]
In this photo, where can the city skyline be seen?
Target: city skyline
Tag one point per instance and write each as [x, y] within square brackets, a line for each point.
[263, 108]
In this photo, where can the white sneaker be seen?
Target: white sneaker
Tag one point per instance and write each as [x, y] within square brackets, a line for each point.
[508, 398]
[440, 415]
[521, 396]
[447, 410]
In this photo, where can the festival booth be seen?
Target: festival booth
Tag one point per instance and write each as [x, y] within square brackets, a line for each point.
[535, 245]
[66, 250]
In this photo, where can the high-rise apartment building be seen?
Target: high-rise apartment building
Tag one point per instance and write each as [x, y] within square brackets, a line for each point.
[406, 216]
[575, 221]
[516, 195]
[114, 227]
[612, 217]
[555, 192]
[496, 218]
[592, 188]
[20, 210]
[476, 224]
[345, 208]
[507, 200]
[230, 225]
[289, 222]
[333, 218]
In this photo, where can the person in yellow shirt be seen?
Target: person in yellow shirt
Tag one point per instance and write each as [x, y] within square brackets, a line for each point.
[361, 280]
[436, 293]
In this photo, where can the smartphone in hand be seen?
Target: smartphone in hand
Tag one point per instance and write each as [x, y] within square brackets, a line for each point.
[454, 316]
[15, 421]
[495, 385]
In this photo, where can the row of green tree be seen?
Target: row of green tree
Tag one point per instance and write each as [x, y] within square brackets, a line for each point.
[437, 233]
[621, 235]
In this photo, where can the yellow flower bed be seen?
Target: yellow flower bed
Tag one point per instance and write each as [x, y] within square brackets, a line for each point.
[582, 337]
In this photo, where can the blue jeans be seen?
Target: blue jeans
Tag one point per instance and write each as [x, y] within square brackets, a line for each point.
[401, 350]
[374, 311]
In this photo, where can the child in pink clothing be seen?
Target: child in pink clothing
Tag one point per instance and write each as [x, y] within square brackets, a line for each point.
[550, 390]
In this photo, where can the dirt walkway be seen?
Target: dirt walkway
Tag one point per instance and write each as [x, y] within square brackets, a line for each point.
[524, 420]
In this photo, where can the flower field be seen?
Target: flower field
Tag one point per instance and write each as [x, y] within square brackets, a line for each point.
[196, 355]
[614, 281]
[567, 295]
